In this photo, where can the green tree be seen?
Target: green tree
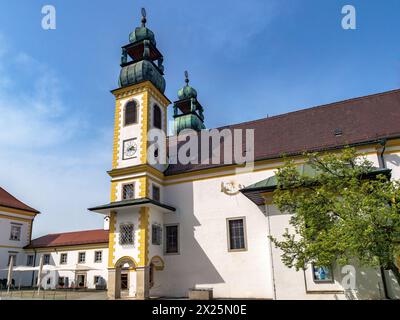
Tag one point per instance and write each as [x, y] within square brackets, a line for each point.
[344, 210]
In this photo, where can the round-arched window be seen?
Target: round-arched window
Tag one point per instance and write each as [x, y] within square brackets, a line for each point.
[157, 117]
[130, 116]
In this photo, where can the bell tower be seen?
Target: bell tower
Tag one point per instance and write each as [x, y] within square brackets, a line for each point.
[188, 112]
[140, 101]
[136, 184]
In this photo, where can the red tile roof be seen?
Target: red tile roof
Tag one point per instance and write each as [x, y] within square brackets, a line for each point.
[9, 201]
[361, 120]
[70, 239]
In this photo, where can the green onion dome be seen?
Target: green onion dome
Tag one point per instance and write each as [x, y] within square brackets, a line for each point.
[139, 72]
[142, 33]
[187, 91]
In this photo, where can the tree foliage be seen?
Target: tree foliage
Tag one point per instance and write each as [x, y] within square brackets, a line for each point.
[341, 213]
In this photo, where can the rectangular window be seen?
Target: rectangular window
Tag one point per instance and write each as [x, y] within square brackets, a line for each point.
[29, 260]
[322, 274]
[12, 256]
[63, 282]
[81, 257]
[156, 234]
[156, 193]
[126, 236]
[46, 259]
[15, 234]
[63, 258]
[98, 256]
[128, 191]
[171, 239]
[236, 234]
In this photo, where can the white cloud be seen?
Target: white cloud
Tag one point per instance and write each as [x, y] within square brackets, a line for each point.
[32, 117]
[43, 158]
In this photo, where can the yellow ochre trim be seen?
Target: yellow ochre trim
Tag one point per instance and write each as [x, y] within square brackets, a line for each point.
[125, 258]
[392, 152]
[159, 268]
[15, 218]
[111, 239]
[142, 168]
[140, 87]
[216, 172]
[393, 142]
[143, 236]
[113, 197]
[200, 175]
[144, 174]
[30, 223]
[144, 121]
[10, 247]
[18, 211]
[142, 187]
[117, 129]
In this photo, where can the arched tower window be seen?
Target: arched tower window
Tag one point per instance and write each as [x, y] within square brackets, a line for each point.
[130, 113]
[157, 117]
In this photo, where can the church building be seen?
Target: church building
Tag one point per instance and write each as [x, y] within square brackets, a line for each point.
[176, 228]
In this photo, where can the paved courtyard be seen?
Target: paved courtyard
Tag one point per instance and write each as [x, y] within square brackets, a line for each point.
[53, 295]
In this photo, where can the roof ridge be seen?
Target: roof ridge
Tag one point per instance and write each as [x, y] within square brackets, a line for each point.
[336, 103]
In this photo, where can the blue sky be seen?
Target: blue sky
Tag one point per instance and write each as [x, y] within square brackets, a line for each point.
[247, 59]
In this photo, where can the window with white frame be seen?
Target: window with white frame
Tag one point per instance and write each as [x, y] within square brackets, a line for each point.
[171, 239]
[63, 258]
[236, 234]
[15, 234]
[156, 234]
[29, 260]
[126, 236]
[98, 256]
[128, 191]
[81, 257]
[46, 259]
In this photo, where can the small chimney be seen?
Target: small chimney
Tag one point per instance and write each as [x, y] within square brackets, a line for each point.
[107, 223]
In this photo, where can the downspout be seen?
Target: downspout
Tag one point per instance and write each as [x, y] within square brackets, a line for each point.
[382, 154]
[270, 250]
[33, 272]
[382, 165]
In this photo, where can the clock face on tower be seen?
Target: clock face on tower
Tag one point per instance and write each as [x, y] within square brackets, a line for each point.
[130, 149]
